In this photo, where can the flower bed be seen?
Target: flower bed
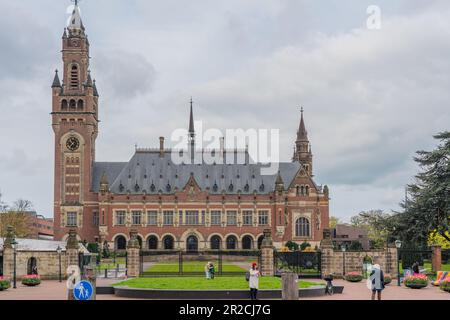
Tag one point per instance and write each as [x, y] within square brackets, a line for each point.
[445, 286]
[4, 284]
[387, 279]
[31, 280]
[353, 277]
[416, 281]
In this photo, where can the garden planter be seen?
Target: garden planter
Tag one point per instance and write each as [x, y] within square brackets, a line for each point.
[416, 286]
[31, 280]
[416, 281]
[4, 285]
[353, 277]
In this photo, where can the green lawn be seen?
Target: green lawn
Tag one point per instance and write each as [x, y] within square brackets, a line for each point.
[108, 263]
[200, 283]
[191, 266]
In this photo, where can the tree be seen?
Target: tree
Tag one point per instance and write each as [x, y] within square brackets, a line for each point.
[334, 221]
[17, 217]
[355, 246]
[377, 223]
[427, 211]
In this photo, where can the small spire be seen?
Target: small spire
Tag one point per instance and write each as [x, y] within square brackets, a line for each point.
[64, 34]
[95, 89]
[302, 134]
[191, 122]
[279, 180]
[56, 82]
[89, 79]
[75, 23]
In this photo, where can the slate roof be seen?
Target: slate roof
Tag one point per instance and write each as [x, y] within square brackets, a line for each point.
[147, 171]
[41, 245]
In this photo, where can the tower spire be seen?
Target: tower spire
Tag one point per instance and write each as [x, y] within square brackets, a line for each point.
[75, 24]
[302, 134]
[56, 82]
[191, 121]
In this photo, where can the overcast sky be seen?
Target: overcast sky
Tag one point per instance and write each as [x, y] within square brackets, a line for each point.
[371, 97]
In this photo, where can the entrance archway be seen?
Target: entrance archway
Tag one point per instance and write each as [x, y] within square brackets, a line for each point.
[192, 244]
[31, 265]
[168, 242]
[152, 243]
[215, 242]
[120, 243]
[247, 243]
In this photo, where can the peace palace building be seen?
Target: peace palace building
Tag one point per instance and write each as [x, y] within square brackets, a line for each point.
[172, 206]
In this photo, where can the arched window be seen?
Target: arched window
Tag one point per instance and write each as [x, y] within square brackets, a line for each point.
[215, 242]
[302, 190]
[307, 190]
[74, 77]
[297, 190]
[247, 243]
[120, 243]
[64, 105]
[260, 240]
[231, 242]
[32, 266]
[302, 227]
[168, 242]
[152, 243]
[73, 104]
[192, 244]
[80, 105]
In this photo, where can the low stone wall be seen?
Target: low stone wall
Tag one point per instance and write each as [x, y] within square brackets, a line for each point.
[47, 263]
[333, 260]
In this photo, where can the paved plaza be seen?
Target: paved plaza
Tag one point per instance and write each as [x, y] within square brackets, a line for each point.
[54, 290]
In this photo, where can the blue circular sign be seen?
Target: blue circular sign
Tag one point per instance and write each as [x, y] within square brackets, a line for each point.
[83, 290]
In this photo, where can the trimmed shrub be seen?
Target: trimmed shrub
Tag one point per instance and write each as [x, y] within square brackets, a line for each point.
[353, 277]
[445, 286]
[387, 279]
[31, 280]
[4, 284]
[304, 245]
[291, 245]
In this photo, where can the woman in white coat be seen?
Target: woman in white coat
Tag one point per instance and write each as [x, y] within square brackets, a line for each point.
[254, 281]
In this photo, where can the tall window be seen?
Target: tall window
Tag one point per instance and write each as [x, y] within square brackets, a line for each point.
[168, 218]
[152, 218]
[302, 227]
[136, 217]
[247, 217]
[263, 217]
[215, 217]
[74, 77]
[215, 242]
[71, 219]
[95, 219]
[231, 218]
[191, 217]
[231, 242]
[120, 218]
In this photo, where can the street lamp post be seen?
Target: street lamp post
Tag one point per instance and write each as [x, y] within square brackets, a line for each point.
[14, 246]
[398, 245]
[59, 250]
[343, 258]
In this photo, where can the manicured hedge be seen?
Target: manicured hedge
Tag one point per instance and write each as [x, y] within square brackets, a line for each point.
[353, 277]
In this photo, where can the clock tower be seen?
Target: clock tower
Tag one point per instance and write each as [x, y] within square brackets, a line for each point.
[75, 124]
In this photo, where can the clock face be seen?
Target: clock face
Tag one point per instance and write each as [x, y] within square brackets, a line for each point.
[72, 144]
[75, 42]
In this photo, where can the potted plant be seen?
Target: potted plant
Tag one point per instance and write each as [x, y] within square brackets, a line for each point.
[4, 284]
[353, 276]
[387, 279]
[31, 280]
[445, 285]
[416, 281]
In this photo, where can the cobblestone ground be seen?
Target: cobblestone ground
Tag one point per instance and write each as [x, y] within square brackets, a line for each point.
[54, 290]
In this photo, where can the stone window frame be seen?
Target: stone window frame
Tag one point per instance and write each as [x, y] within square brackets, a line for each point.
[149, 218]
[263, 214]
[120, 217]
[72, 219]
[296, 214]
[166, 220]
[95, 218]
[247, 214]
[228, 212]
[191, 217]
[216, 217]
[136, 217]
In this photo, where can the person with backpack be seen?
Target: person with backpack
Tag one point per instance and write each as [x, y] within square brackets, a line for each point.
[252, 276]
[377, 281]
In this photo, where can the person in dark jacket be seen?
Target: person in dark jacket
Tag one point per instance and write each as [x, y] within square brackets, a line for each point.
[377, 279]
[415, 267]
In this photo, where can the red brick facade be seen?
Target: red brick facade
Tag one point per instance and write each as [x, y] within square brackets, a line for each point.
[104, 209]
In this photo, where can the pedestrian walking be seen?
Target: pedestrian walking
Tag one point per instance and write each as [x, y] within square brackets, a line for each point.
[212, 270]
[207, 272]
[253, 281]
[377, 279]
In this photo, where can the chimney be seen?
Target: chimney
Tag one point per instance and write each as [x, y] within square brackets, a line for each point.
[161, 147]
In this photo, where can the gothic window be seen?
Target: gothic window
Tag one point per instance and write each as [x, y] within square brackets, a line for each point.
[168, 218]
[215, 242]
[152, 218]
[302, 227]
[120, 218]
[307, 190]
[136, 217]
[95, 219]
[247, 243]
[192, 244]
[261, 187]
[302, 190]
[246, 187]
[297, 190]
[152, 243]
[215, 217]
[80, 105]
[120, 243]
[247, 217]
[73, 104]
[168, 242]
[231, 242]
[74, 76]
[263, 217]
[64, 105]
[71, 219]
[231, 218]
